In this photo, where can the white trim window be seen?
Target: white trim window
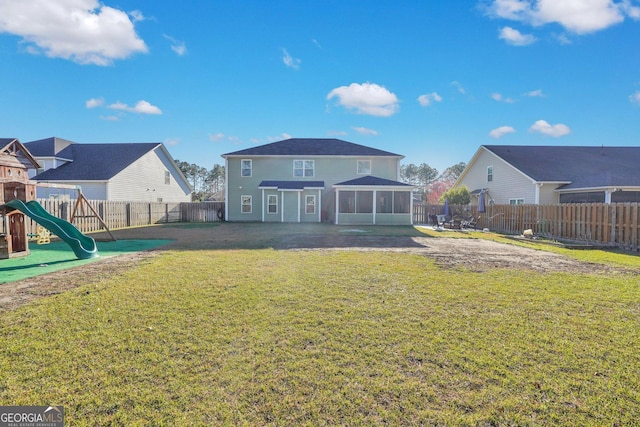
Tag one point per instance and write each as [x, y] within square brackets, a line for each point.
[364, 167]
[489, 173]
[519, 201]
[167, 178]
[246, 204]
[303, 168]
[246, 167]
[310, 204]
[272, 204]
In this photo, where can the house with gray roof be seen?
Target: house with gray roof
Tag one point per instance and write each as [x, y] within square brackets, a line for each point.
[116, 171]
[511, 174]
[316, 180]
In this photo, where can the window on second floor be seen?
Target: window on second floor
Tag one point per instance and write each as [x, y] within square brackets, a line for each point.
[489, 173]
[303, 168]
[246, 167]
[167, 177]
[364, 167]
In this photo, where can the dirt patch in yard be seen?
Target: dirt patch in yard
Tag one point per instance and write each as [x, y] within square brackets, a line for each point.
[472, 254]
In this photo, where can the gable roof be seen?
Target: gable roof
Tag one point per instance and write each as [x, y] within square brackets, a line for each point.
[48, 147]
[95, 162]
[15, 154]
[373, 181]
[581, 166]
[311, 147]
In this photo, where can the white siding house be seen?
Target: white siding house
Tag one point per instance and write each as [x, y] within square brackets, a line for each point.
[509, 174]
[120, 172]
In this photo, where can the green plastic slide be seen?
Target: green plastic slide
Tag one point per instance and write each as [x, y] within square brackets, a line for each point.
[83, 246]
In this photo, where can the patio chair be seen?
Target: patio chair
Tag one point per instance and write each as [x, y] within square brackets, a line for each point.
[471, 223]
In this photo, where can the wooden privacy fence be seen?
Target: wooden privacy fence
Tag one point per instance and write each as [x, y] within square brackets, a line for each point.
[615, 224]
[129, 214]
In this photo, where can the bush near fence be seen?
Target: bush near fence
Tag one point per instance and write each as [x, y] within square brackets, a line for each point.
[615, 224]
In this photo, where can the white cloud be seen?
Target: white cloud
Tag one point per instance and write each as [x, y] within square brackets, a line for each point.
[280, 137]
[428, 98]
[94, 102]
[83, 31]
[535, 93]
[501, 131]
[499, 98]
[366, 98]
[459, 87]
[545, 128]
[562, 39]
[137, 16]
[635, 98]
[515, 10]
[216, 137]
[290, 61]
[515, 37]
[110, 118]
[172, 141]
[337, 133]
[177, 46]
[365, 131]
[141, 107]
[576, 16]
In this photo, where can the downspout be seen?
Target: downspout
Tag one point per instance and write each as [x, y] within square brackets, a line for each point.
[319, 207]
[282, 205]
[375, 194]
[299, 207]
[263, 205]
[337, 207]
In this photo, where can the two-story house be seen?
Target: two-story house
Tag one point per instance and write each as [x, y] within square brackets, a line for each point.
[513, 174]
[143, 172]
[314, 180]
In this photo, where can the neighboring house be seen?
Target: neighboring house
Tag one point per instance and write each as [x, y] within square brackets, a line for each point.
[313, 180]
[120, 172]
[510, 174]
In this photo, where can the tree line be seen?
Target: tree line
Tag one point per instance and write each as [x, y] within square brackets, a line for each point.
[432, 186]
[207, 184]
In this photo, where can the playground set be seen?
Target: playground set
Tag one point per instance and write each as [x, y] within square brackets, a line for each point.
[18, 200]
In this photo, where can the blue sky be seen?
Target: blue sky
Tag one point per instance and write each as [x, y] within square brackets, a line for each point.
[431, 80]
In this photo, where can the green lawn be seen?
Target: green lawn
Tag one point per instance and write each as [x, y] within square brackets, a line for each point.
[266, 337]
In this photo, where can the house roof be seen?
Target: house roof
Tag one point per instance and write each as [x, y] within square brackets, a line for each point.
[311, 147]
[373, 181]
[48, 147]
[92, 162]
[581, 166]
[291, 185]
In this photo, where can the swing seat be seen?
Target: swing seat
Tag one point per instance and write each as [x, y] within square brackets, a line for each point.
[42, 237]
